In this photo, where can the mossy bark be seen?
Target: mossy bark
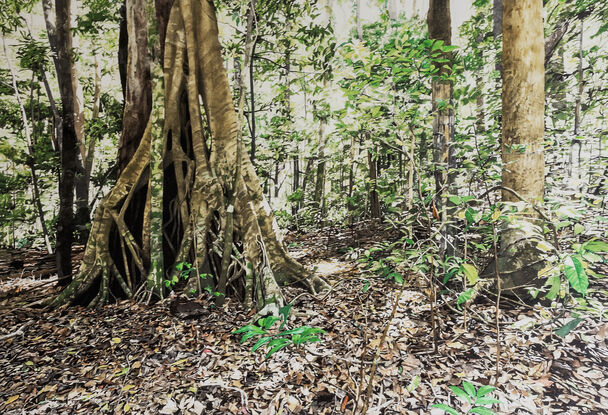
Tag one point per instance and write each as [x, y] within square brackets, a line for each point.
[210, 211]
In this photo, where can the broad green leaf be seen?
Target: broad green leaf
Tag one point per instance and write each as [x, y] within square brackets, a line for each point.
[277, 347]
[471, 273]
[578, 229]
[460, 393]
[469, 388]
[596, 246]
[446, 408]
[568, 327]
[464, 297]
[555, 283]
[485, 400]
[481, 411]
[484, 390]
[260, 343]
[249, 327]
[284, 311]
[575, 273]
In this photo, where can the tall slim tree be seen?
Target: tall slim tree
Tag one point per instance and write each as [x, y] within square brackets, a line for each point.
[440, 29]
[212, 214]
[71, 163]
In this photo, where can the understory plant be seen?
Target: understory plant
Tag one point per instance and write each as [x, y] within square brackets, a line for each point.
[275, 338]
[476, 399]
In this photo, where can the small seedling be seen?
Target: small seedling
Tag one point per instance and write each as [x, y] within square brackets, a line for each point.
[277, 339]
[476, 398]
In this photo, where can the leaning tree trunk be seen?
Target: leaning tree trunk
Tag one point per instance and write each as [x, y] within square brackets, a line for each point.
[212, 213]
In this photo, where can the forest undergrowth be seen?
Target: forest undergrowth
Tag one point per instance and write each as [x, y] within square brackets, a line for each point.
[182, 356]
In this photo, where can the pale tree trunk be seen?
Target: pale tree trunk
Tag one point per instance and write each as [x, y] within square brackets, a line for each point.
[440, 29]
[319, 196]
[350, 206]
[393, 10]
[523, 101]
[577, 110]
[30, 150]
[217, 219]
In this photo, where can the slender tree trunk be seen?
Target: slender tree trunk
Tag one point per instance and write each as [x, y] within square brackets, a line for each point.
[30, 150]
[577, 109]
[71, 163]
[319, 195]
[440, 29]
[358, 21]
[350, 205]
[123, 44]
[252, 101]
[374, 199]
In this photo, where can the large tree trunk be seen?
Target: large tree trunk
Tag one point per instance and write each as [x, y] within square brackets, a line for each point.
[523, 100]
[138, 93]
[212, 214]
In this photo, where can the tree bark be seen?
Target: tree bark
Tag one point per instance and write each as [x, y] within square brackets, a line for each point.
[213, 212]
[440, 29]
[520, 257]
[71, 163]
[138, 93]
[523, 100]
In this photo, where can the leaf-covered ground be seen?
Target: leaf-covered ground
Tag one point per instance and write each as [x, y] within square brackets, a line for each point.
[180, 357]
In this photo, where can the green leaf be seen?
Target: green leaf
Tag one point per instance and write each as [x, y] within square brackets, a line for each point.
[304, 330]
[484, 390]
[262, 341]
[464, 297]
[471, 273]
[249, 335]
[481, 411]
[568, 327]
[486, 400]
[446, 408]
[578, 229]
[469, 388]
[395, 276]
[595, 246]
[267, 322]
[284, 311]
[575, 273]
[276, 345]
[460, 393]
[248, 327]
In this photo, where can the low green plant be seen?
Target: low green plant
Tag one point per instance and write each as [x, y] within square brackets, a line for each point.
[275, 339]
[476, 398]
[185, 269]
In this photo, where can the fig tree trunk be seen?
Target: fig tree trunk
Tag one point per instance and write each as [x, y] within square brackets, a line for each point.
[204, 203]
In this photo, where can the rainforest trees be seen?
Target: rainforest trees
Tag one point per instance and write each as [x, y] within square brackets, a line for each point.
[203, 204]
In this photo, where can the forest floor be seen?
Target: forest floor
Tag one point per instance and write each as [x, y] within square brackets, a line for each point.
[158, 360]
